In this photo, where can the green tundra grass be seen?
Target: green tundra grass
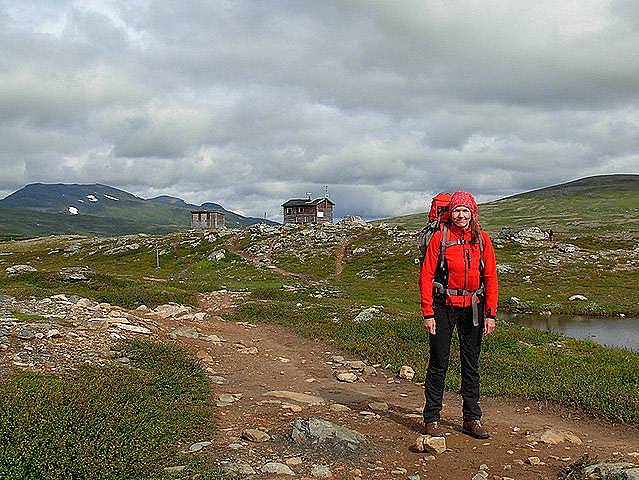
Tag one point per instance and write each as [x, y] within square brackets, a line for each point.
[517, 362]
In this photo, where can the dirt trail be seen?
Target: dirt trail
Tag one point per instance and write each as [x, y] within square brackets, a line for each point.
[255, 360]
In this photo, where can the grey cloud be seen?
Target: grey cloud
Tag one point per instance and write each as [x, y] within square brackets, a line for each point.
[250, 103]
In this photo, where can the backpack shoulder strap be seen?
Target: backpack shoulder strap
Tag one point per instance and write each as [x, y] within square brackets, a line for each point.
[442, 248]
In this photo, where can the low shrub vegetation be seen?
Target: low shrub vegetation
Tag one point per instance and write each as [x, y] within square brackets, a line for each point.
[107, 423]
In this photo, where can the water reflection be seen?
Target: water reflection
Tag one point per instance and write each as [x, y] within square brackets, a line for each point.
[612, 332]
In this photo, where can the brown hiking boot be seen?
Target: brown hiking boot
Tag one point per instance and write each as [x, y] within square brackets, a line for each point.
[432, 429]
[474, 429]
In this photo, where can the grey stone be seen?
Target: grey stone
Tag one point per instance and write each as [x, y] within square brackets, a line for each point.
[242, 468]
[321, 471]
[366, 315]
[5, 331]
[133, 328]
[378, 406]
[184, 331]
[318, 432]
[532, 233]
[277, 469]
[196, 447]
[217, 255]
[19, 269]
[25, 333]
[505, 268]
[567, 248]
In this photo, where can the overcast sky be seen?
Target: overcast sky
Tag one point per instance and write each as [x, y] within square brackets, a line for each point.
[249, 103]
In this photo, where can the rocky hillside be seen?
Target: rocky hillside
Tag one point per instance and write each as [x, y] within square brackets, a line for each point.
[606, 206]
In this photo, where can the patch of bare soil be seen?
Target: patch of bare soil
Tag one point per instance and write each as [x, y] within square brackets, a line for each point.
[256, 360]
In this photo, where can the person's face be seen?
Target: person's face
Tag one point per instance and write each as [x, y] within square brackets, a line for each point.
[461, 216]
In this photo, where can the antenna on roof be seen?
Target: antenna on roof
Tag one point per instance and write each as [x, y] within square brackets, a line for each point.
[308, 194]
[325, 191]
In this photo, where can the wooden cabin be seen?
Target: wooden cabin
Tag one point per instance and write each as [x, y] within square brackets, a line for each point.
[306, 210]
[206, 220]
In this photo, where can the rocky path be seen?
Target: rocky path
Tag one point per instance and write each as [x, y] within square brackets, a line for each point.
[290, 407]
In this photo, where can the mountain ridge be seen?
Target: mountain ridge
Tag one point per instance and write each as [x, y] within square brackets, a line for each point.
[98, 209]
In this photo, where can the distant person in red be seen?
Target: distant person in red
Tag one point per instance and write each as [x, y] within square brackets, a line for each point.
[458, 289]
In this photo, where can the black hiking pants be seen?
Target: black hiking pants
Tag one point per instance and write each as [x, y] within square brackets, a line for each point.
[446, 318]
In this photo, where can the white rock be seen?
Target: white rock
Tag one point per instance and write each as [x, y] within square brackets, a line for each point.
[348, 377]
[133, 328]
[426, 443]
[277, 469]
[572, 298]
[18, 269]
[406, 372]
[196, 447]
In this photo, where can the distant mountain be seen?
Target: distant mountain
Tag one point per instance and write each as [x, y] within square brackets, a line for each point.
[43, 209]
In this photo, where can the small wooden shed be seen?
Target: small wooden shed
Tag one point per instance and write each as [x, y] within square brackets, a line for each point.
[206, 219]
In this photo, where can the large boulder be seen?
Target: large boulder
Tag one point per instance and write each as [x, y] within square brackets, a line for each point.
[322, 433]
[532, 233]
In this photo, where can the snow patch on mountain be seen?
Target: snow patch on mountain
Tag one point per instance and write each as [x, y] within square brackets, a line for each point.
[110, 197]
[73, 211]
[92, 198]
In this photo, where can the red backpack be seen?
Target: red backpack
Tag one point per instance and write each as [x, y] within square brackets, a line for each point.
[437, 217]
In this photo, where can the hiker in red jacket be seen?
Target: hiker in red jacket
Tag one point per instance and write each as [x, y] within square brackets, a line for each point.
[458, 289]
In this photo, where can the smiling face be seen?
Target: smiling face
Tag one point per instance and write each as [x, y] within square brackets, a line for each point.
[461, 216]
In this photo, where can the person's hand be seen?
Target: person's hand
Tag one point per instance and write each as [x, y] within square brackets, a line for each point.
[429, 324]
[489, 326]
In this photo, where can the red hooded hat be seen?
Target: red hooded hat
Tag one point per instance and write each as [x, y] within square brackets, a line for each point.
[463, 199]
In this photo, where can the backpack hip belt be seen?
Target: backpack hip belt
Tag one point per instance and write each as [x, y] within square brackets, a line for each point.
[474, 301]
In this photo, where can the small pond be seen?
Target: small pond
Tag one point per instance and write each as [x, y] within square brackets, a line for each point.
[611, 332]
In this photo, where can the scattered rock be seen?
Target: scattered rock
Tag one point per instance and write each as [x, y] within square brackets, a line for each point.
[255, 435]
[567, 248]
[185, 331]
[321, 471]
[133, 328]
[572, 298]
[505, 268]
[552, 436]
[277, 469]
[427, 443]
[366, 315]
[406, 372]
[19, 269]
[378, 406]
[196, 447]
[318, 432]
[348, 377]
[216, 255]
[241, 468]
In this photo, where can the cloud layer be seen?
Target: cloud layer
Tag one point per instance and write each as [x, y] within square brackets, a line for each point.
[249, 103]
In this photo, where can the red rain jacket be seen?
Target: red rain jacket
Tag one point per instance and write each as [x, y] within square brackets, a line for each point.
[463, 271]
